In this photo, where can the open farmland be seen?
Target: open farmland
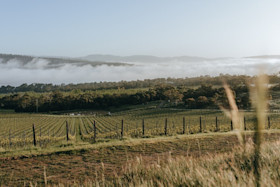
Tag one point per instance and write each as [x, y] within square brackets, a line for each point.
[16, 130]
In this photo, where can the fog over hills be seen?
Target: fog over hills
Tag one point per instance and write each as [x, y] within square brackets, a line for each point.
[141, 58]
[19, 69]
[265, 57]
[32, 62]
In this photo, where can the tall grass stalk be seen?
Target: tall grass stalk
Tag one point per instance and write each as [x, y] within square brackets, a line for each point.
[258, 97]
[259, 101]
[234, 114]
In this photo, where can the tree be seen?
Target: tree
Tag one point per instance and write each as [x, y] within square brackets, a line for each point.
[190, 103]
[202, 102]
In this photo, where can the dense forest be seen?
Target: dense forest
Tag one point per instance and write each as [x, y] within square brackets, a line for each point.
[184, 92]
[204, 96]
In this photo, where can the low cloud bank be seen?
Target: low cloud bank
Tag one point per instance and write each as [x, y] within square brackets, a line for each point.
[16, 73]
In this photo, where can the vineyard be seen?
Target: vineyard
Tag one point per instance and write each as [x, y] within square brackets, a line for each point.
[16, 130]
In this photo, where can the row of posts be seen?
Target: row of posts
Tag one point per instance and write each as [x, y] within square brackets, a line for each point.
[184, 125]
[143, 128]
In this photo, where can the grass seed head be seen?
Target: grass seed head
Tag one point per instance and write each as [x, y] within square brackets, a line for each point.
[234, 114]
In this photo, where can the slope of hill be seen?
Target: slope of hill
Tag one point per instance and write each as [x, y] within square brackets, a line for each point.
[141, 58]
[265, 57]
[30, 62]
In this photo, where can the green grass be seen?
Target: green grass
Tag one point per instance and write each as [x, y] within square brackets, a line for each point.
[16, 128]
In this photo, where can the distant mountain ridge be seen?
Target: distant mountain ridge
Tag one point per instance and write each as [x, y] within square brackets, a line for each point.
[30, 62]
[265, 56]
[141, 58]
[52, 62]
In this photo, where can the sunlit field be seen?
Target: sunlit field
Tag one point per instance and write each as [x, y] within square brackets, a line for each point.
[16, 130]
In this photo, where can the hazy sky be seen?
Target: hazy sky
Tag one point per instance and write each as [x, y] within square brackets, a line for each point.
[209, 28]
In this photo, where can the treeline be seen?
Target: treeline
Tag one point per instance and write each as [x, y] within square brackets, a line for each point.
[147, 83]
[205, 96]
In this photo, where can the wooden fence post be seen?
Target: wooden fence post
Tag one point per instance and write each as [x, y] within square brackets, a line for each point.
[67, 131]
[122, 129]
[217, 125]
[94, 131]
[200, 124]
[165, 127]
[184, 125]
[143, 127]
[268, 122]
[245, 128]
[34, 136]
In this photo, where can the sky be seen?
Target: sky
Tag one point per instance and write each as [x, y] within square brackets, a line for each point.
[206, 28]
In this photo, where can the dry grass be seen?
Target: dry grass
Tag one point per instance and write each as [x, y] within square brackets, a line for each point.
[258, 94]
[227, 169]
[234, 114]
[233, 169]
[259, 100]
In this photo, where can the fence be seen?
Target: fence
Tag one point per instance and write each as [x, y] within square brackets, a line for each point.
[98, 129]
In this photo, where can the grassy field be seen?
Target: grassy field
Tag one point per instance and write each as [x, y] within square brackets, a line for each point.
[233, 168]
[109, 162]
[16, 129]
